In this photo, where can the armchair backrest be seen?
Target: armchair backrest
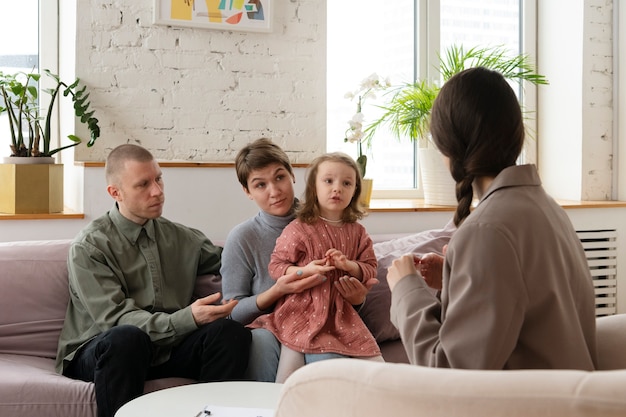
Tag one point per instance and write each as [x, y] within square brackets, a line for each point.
[611, 339]
[342, 387]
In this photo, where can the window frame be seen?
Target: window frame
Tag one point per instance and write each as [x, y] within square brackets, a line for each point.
[427, 41]
[49, 55]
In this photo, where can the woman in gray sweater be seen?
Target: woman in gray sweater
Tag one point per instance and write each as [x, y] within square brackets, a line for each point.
[265, 173]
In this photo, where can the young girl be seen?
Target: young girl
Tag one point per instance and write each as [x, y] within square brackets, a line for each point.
[325, 238]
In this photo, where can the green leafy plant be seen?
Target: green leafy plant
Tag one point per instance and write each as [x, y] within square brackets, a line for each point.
[30, 131]
[407, 112]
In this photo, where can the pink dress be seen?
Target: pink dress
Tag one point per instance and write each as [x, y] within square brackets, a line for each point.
[320, 320]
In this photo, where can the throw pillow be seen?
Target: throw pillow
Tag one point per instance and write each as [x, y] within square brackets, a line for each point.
[375, 311]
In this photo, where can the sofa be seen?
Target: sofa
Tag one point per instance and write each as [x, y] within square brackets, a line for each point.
[33, 300]
[364, 388]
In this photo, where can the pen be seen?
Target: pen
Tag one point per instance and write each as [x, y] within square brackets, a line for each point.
[203, 412]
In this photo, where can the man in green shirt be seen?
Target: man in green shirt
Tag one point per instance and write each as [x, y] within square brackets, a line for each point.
[131, 276]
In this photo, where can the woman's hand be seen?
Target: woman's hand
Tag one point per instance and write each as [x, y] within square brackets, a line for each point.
[430, 267]
[296, 282]
[317, 266]
[290, 283]
[353, 290]
[400, 268]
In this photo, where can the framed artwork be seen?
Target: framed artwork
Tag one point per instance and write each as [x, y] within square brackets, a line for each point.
[241, 15]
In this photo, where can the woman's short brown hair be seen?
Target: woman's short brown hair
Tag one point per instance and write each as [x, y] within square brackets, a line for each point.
[257, 155]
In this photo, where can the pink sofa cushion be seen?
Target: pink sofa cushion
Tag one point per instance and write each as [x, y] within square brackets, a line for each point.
[33, 296]
[375, 312]
[30, 386]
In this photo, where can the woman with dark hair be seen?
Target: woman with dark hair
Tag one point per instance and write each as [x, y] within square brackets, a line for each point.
[516, 292]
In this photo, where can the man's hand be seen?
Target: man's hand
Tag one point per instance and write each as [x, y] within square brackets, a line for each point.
[205, 311]
[353, 290]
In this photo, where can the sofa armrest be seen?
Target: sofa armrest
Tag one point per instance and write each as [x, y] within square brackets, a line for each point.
[611, 339]
[354, 387]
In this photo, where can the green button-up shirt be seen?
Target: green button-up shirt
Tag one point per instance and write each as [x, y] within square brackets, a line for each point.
[123, 273]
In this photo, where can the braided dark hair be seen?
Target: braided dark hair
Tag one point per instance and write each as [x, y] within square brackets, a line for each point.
[476, 122]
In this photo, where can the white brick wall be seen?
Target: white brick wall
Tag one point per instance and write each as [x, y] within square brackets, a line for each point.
[575, 112]
[197, 94]
[598, 101]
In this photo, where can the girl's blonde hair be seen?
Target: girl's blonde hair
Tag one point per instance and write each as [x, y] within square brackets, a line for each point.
[309, 211]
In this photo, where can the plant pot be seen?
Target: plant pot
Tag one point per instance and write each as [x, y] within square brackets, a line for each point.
[29, 160]
[366, 192]
[31, 188]
[439, 186]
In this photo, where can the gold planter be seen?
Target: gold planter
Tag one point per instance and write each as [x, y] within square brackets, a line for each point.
[366, 192]
[31, 189]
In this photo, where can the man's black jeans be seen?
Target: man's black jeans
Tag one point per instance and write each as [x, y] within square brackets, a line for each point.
[118, 360]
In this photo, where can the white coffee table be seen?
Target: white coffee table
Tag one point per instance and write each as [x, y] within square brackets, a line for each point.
[188, 400]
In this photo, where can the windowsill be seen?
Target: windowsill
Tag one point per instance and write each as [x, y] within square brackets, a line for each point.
[378, 205]
[418, 205]
[65, 214]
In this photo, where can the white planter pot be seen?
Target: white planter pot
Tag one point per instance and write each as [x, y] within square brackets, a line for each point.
[28, 160]
[439, 186]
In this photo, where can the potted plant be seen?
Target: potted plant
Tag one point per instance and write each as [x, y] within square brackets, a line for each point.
[20, 100]
[355, 134]
[41, 188]
[407, 112]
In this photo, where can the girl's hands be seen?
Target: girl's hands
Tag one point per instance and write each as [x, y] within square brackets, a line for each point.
[340, 261]
[337, 258]
[318, 266]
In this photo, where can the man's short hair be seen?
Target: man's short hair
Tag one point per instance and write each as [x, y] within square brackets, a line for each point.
[118, 157]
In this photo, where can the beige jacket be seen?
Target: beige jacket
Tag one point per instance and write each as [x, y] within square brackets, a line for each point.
[517, 292]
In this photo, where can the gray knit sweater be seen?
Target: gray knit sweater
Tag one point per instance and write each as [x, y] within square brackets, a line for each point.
[245, 258]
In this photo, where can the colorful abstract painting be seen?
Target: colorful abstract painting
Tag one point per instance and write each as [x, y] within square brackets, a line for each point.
[242, 15]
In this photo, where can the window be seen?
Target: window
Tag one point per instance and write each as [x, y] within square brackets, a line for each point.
[366, 37]
[28, 34]
[401, 40]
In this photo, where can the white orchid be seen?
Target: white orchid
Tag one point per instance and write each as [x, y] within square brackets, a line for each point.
[374, 82]
[354, 134]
